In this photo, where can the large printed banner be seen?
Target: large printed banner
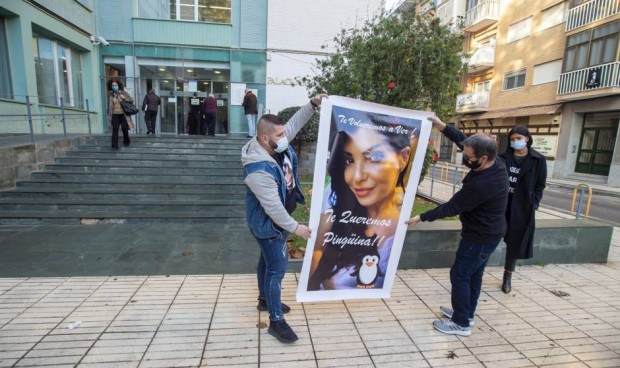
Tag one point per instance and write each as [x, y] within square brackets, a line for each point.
[368, 164]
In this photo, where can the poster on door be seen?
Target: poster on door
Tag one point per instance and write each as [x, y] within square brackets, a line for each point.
[368, 164]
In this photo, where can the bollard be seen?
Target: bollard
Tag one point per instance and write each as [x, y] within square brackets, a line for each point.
[456, 171]
[88, 117]
[581, 187]
[432, 178]
[62, 113]
[30, 118]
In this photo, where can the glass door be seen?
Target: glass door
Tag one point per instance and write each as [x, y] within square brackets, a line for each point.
[596, 148]
[168, 114]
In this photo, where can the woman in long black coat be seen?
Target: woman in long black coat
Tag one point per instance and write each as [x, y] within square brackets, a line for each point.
[527, 174]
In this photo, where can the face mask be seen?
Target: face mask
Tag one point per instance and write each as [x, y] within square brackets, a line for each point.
[115, 88]
[280, 145]
[471, 164]
[518, 145]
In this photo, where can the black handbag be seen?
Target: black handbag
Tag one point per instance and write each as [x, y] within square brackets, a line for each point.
[129, 107]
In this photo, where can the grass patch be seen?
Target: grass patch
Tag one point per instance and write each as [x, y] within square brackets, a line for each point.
[297, 245]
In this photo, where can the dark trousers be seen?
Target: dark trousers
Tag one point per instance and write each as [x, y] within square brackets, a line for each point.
[510, 264]
[119, 120]
[149, 118]
[466, 278]
[209, 124]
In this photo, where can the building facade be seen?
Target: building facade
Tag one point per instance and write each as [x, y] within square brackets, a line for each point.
[551, 66]
[47, 66]
[299, 34]
[184, 50]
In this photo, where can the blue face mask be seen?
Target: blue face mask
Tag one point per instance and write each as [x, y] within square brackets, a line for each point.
[518, 145]
[115, 88]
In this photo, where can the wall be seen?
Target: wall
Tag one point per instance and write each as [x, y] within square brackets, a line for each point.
[296, 36]
[16, 163]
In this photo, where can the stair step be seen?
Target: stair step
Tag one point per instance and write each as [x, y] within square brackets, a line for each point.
[135, 193]
[164, 149]
[97, 177]
[122, 154]
[141, 169]
[131, 162]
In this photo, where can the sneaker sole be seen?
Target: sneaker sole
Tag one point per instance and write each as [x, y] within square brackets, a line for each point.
[279, 338]
[460, 333]
[471, 320]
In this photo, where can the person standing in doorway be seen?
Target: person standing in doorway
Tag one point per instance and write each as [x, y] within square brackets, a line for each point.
[527, 176]
[116, 114]
[250, 109]
[209, 110]
[481, 204]
[273, 191]
[150, 105]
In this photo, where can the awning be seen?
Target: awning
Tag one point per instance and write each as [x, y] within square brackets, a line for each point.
[514, 112]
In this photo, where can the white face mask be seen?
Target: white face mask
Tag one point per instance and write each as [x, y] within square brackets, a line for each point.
[518, 145]
[280, 145]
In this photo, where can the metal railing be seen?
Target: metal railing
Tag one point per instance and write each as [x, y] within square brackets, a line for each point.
[37, 121]
[581, 188]
[472, 101]
[590, 12]
[486, 8]
[577, 81]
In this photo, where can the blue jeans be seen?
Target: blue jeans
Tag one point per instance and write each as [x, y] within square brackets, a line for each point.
[466, 278]
[270, 272]
[251, 118]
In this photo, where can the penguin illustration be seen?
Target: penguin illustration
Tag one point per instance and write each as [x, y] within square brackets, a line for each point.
[368, 272]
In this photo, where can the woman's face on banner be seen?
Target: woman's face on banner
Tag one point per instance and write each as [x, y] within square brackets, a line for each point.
[372, 167]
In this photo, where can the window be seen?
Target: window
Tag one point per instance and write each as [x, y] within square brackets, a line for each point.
[592, 47]
[514, 79]
[519, 30]
[547, 72]
[484, 86]
[6, 89]
[552, 16]
[216, 11]
[58, 71]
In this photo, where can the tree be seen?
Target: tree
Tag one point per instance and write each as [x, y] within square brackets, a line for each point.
[405, 60]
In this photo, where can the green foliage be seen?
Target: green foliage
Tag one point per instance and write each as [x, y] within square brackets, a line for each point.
[406, 60]
[310, 132]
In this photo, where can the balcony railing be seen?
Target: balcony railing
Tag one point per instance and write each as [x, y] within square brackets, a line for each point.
[591, 11]
[450, 15]
[482, 15]
[589, 79]
[483, 58]
[470, 102]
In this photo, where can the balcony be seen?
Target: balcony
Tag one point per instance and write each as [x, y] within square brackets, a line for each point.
[472, 102]
[596, 81]
[482, 59]
[451, 14]
[590, 12]
[482, 15]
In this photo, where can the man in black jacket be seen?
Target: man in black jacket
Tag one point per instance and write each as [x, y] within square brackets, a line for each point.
[481, 204]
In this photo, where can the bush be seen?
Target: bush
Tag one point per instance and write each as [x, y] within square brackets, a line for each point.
[310, 132]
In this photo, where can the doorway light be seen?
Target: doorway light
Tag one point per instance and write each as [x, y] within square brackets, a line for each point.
[162, 69]
[217, 72]
[189, 70]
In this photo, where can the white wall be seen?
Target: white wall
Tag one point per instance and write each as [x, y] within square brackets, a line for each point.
[296, 32]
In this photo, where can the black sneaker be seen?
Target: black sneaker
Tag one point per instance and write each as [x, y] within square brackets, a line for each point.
[282, 331]
[262, 306]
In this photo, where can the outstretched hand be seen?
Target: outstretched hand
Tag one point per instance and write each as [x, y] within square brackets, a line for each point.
[303, 231]
[413, 221]
[437, 123]
[317, 99]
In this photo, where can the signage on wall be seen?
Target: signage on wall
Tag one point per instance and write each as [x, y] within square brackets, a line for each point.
[545, 144]
[288, 81]
[594, 78]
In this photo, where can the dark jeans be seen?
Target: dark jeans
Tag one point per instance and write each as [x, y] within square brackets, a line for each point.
[270, 272]
[119, 120]
[149, 118]
[209, 123]
[466, 278]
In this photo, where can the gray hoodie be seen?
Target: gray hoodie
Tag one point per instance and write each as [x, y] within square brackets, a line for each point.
[264, 185]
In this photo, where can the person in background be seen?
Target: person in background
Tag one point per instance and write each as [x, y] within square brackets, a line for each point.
[527, 176]
[273, 191]
[116, 114]
[481, 206]
[209, 110]
[150, 105]
[250, 109]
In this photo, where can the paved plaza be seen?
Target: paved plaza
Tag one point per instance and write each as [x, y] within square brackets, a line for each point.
[556, 316]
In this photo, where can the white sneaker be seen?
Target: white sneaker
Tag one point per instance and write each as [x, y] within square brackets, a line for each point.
[448, 327]
[448, 313]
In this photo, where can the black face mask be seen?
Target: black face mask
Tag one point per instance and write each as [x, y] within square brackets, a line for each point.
[474, 165]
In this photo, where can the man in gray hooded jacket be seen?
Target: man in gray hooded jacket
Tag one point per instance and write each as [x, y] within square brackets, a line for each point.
[270, 173]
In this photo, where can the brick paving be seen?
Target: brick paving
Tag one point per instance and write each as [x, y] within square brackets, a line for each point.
[556, 316]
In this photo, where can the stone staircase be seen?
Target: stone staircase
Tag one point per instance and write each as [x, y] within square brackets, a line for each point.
[177, 179]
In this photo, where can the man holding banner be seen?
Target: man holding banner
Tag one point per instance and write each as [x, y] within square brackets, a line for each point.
[481, 204]
[270, 173]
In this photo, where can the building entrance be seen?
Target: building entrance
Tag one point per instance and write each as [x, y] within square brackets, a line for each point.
[596, 146]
